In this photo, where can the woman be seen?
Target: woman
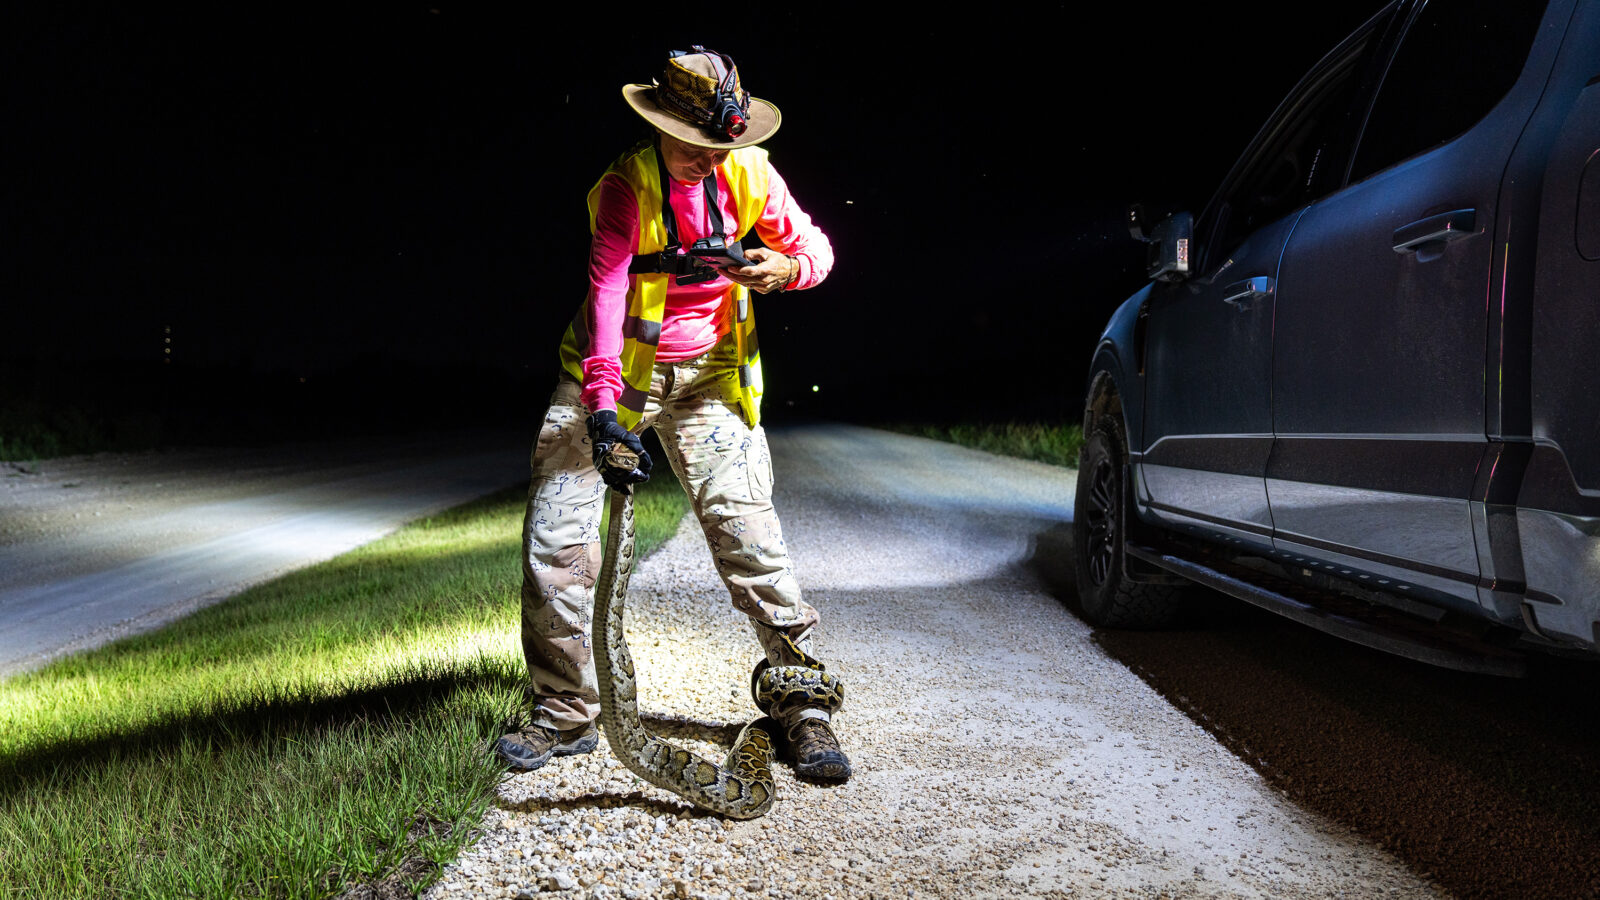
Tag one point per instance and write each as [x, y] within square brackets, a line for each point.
[667, 339]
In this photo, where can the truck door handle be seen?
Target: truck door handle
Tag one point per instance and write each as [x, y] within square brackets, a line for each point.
[1440, 229]
[1242, 292]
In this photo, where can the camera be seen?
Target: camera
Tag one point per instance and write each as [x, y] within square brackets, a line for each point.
[718, 253]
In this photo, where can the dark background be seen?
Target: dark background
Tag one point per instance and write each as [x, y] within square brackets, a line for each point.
[376, 222]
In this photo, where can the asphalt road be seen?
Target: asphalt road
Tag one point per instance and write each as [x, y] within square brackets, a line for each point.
[94, 548]
[1488, 786]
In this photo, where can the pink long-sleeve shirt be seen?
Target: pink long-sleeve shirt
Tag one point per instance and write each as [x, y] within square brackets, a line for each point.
[693, 320]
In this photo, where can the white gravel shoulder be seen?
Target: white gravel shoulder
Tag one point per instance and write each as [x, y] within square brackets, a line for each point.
[998, 751]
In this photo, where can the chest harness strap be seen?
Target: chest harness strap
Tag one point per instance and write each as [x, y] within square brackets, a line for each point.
[688, 269]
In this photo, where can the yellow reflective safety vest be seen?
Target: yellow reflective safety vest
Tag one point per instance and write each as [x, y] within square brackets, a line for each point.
[743, 175]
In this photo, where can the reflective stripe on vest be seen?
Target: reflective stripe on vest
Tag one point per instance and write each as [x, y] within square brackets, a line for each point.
[743, 175]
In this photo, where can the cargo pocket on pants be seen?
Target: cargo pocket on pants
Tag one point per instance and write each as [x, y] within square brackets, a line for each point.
[758, 467]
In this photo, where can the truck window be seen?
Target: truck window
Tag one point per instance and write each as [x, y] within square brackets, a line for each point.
[1458, 58]
[1292, 159]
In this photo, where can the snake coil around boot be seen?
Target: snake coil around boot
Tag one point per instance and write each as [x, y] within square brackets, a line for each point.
[781, 690]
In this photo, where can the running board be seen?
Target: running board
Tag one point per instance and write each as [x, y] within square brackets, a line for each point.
[1423, 643]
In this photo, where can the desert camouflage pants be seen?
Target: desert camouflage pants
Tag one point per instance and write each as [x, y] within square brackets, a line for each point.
[724, 467]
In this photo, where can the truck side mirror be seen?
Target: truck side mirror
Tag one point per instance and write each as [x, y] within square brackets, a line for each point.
[1167, 258]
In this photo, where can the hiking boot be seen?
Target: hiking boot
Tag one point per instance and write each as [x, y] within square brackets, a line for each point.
[815, 751]
[531, 746]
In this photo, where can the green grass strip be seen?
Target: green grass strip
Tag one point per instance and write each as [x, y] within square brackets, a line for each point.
[322, 731]
[1055, 444]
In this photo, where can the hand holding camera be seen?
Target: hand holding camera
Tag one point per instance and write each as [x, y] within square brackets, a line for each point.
[760, 269]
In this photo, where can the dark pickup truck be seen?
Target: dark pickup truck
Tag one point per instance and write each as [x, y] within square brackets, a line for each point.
[1363, 386]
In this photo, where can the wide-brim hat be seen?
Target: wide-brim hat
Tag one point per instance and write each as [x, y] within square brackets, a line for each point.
[687, 100]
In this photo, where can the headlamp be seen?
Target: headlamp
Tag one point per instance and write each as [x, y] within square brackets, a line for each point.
[731, 122]
[727, 114]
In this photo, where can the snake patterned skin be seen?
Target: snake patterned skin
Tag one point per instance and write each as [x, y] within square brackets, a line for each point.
[781, 690]
[742, 787]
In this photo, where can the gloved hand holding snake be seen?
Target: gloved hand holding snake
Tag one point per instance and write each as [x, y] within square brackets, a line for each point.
[619, 470]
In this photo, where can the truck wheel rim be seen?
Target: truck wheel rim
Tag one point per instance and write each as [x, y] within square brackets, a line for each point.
[1102, 521]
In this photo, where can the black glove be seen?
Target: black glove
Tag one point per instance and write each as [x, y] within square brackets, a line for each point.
[618, 452]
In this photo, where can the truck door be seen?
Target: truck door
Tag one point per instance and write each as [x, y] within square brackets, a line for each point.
[1208, 412]
[1381, 376]
[1208, 402]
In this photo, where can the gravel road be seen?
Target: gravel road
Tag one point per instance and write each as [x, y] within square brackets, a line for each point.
[96, 547]
[999, 751]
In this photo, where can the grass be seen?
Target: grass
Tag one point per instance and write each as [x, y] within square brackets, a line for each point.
[1057, 445]
[320, 734]
[37, 423]
[29, 434]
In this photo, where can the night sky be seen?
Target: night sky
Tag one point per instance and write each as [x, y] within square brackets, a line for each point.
[299, 194]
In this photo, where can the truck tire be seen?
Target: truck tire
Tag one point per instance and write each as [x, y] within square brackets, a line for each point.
[1099, 529]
